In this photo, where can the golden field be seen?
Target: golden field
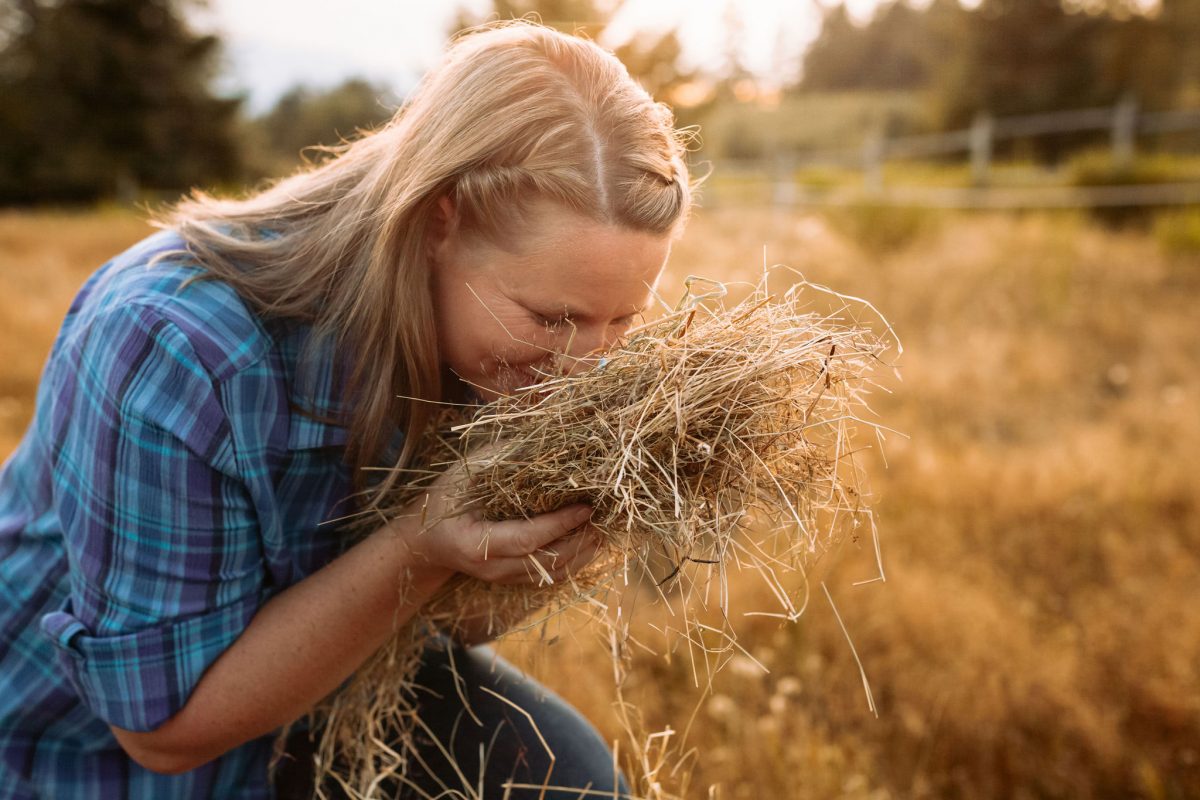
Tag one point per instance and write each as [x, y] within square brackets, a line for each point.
[1038, 634]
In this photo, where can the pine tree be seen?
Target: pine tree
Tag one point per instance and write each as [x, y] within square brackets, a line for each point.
[102, 98]
[652, 58]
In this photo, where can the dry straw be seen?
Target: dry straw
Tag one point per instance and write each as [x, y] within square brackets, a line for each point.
[714, 438]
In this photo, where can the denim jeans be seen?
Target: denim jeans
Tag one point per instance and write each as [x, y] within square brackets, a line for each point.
[513, 752]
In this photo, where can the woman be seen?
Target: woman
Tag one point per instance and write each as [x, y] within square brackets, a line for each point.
[170, 597]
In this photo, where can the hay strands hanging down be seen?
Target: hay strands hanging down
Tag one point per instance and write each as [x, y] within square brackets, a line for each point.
[713, 436]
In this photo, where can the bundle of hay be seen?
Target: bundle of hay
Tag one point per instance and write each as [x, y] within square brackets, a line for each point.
[701, 425]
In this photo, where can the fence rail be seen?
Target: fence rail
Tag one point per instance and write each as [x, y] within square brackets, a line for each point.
[1124, 122]
[1153, 194]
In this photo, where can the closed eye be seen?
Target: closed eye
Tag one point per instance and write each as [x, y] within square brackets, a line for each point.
[555, 321]
[551, 321]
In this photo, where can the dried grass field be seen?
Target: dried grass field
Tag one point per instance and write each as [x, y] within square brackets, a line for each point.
[1038, 634]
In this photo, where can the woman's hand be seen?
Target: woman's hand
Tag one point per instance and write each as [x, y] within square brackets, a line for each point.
[306, 640]
[561, 542]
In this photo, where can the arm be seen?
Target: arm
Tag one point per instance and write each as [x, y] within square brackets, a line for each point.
[165, 635]
[298, 648]
[308, 639]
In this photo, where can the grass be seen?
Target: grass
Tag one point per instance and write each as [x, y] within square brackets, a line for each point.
[1041, 529]
[1041, 534]
[1178, 234]
[44, 258]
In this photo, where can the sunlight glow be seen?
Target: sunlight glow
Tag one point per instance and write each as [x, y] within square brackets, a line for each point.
[274, 44]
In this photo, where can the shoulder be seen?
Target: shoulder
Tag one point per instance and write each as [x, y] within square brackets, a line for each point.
[149, 348]
[157, 283]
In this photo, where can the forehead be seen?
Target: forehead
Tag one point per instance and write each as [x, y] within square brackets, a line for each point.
[566, 260]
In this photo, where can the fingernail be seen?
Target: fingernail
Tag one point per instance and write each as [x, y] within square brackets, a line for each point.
[582, 512]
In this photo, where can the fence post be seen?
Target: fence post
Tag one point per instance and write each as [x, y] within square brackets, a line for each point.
[980, 139]
[1124, 131]
[873, 151]
[783, 185]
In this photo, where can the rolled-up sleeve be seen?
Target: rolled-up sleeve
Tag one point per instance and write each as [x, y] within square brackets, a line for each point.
[166, 566]
[138, 680]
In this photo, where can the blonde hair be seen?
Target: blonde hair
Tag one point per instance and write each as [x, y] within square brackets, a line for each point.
[516, 112]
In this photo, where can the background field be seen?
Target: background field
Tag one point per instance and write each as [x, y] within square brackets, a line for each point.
[1037, 636]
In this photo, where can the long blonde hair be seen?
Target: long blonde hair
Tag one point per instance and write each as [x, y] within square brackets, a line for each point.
[515, 112]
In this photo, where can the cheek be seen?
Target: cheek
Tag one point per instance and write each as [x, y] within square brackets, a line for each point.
[483, 342]
[522, 342]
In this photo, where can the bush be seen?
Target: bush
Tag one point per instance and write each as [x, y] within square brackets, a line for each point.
[880, 229]
[1177, 234]
[1097, 168]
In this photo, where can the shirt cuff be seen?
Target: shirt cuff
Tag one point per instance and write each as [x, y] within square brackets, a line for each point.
[137, 681]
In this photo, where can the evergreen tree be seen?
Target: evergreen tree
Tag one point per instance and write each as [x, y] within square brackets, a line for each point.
[1034, 56]
[101, 98]
[1014, 57]
[652, 59]
[589, 17]
[895, 50]
[1181, 18]
[305, 117]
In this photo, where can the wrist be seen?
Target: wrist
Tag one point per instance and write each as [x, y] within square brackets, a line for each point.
[419, 577]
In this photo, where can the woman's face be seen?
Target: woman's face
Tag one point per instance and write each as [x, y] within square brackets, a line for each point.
[569, 285]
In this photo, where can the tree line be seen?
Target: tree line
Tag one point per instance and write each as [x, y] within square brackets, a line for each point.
[1010, 57]
[114, 98]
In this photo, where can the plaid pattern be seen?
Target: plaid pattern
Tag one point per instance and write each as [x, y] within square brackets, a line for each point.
[164, 490]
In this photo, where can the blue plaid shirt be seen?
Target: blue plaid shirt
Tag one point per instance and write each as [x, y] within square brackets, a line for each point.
[166, 488]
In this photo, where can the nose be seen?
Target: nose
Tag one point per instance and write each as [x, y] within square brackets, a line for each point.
[588, 342]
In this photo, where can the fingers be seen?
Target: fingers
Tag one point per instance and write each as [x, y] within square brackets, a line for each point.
[551, 564]
[518, 538]
[566, 554]
[543, 549]
[590, 546]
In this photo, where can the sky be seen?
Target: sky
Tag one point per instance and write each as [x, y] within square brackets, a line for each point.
[273, 44]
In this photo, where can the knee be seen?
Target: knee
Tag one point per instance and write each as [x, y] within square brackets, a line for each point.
[550, 743]
[547, 741]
